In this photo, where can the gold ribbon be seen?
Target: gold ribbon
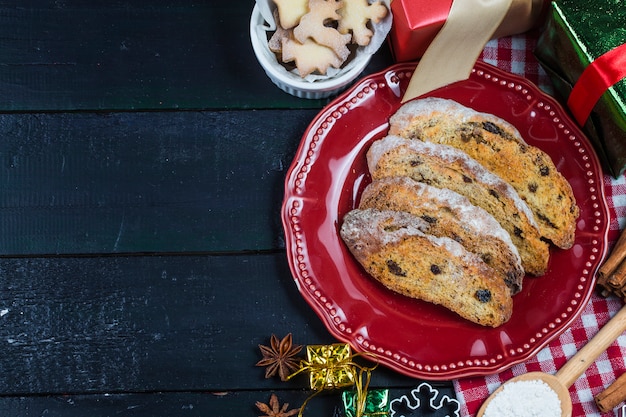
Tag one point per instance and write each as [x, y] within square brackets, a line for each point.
[361, 394]
[329, 368]
[454, 51]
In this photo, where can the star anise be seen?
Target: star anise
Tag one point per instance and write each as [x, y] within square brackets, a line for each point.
[273, 409]
[280, 357]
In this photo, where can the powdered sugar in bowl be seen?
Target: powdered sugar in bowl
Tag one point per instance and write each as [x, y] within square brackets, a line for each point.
[530, 395]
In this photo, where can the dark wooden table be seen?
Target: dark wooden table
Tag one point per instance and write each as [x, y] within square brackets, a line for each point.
[143, 153]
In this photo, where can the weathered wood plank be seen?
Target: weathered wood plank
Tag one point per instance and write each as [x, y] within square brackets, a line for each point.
[149, 323]
[195, 404]
[115, 55]
[175, 214]
[144, 182]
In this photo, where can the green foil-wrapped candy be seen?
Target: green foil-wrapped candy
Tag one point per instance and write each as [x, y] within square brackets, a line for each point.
[376, 403]
[576, 35]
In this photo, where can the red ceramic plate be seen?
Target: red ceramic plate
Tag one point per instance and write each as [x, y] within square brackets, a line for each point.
[413, 337]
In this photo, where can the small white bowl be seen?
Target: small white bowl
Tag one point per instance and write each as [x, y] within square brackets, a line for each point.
[291, 82]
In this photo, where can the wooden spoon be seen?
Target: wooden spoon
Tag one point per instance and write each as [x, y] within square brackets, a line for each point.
[574, 368]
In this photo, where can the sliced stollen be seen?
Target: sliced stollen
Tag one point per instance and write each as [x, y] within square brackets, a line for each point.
[443, 166]
[392, 248]
[452, 215]
[500, 148]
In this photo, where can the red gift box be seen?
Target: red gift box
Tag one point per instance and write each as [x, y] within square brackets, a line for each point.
[417, 22]
[415, 25]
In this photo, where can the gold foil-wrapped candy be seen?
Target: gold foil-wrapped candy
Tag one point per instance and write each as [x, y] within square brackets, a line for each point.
[330, 366]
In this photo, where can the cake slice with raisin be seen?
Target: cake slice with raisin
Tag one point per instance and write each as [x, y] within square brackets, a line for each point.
[443, 166]
[447, 213]
[394, 250]
[500, 148]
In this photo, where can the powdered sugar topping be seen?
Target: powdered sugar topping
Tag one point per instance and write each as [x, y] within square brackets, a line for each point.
[451, 109]
[475, 218]
[449, 155]
[360, 225]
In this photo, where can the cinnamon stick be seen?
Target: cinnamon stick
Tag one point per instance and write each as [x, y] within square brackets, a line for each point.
[618, 253]
[621, 293]
[608, 399]
[618, 278]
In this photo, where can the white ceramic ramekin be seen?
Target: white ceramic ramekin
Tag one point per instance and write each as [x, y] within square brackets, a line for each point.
[292, 83]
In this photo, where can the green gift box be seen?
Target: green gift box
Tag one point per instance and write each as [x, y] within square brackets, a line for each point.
[583, 50]
[376, 403]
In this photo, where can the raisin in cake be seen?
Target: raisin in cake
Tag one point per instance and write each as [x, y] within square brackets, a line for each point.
[392, 248]
[498, 146]
[443, 166]
[447, 213]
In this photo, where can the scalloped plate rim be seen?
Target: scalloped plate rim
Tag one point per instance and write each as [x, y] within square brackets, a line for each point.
[386, 356]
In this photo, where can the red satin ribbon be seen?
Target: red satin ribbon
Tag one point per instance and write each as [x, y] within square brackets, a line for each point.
[602, 73]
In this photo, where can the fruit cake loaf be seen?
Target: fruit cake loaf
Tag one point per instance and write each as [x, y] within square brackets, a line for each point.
[499, 147]
[393, 250]
[449, 214]
[443, 166]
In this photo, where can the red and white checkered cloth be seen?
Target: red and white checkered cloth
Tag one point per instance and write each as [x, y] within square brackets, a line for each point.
[515, 54]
